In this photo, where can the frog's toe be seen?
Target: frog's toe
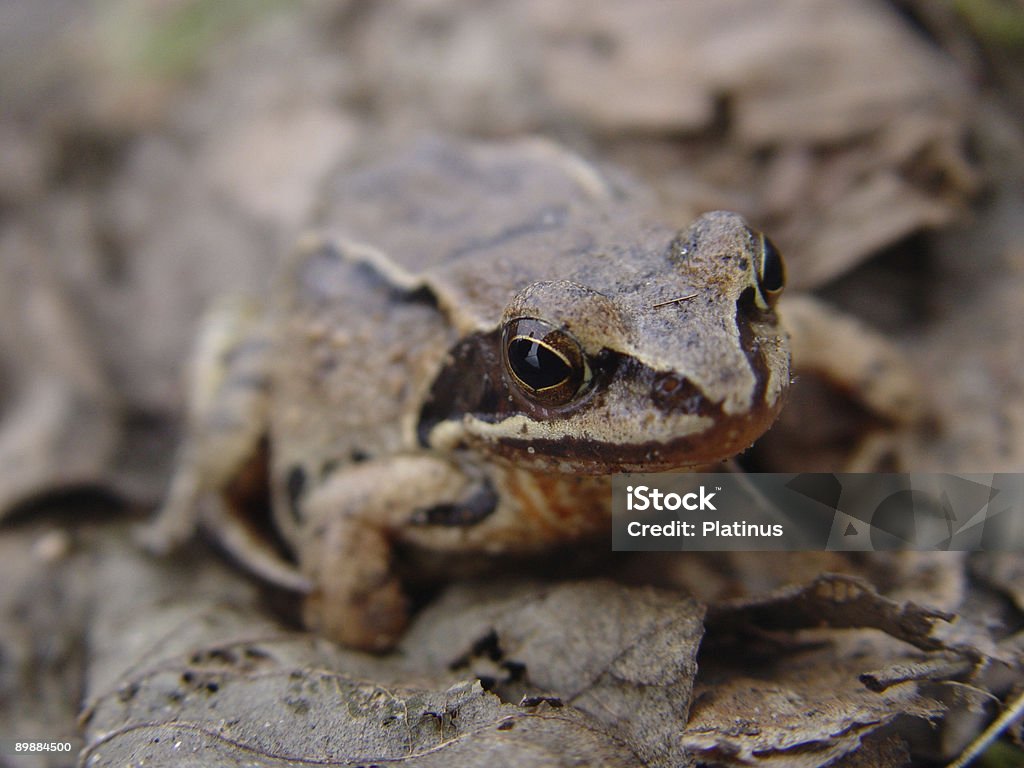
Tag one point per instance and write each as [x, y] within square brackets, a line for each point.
[371, 621]
[357, 599]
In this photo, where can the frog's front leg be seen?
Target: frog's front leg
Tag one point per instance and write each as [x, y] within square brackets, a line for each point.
[346, 542]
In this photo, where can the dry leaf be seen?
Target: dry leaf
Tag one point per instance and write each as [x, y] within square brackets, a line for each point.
[831, 600]
[624, 656]
[803, 709]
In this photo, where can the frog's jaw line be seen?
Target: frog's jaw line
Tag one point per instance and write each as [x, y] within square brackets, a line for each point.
[523, 430]
[547, 449]
[570, 455]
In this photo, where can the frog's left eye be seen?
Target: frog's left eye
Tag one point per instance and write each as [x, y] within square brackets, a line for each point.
[546, 363]
[771, 274]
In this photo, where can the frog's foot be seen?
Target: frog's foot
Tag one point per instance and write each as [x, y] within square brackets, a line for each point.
[358, 600]
[346, 543]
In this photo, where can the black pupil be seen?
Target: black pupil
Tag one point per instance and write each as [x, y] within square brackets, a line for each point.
[536, 365]
[771, 279]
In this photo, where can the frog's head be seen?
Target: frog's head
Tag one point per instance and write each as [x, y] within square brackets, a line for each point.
[673, 361]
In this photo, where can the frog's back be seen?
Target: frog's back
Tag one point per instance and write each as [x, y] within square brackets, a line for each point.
[477, 222]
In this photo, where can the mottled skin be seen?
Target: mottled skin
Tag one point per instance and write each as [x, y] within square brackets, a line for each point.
[379, 374]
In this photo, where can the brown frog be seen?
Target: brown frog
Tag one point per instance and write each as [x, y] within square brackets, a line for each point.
[472, 341]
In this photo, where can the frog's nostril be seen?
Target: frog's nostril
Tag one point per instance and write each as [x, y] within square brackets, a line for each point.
[666, 385]
[671, 392]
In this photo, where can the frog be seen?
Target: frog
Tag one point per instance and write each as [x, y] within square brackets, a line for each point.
[471, 339]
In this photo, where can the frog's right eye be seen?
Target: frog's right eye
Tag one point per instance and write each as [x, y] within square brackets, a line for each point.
[771, 273]
[547, 364]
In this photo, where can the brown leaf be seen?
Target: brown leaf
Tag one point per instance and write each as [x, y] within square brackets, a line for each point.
[624, 656]
[58, 427]
[283, 716]
[800, 709]
[830, 600]
[43, 610]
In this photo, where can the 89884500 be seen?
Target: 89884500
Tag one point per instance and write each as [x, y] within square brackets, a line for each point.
[22, 747]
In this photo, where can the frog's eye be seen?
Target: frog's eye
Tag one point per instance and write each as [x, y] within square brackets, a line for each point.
[546, 363]
[771, 274]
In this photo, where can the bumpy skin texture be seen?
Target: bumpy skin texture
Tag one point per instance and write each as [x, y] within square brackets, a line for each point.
[383, 388]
